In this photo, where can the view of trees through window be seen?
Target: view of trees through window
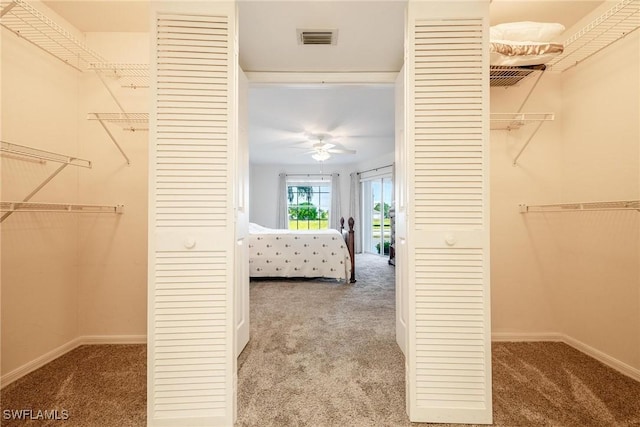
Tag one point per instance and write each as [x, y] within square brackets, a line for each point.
[377, 195]
[308, 206]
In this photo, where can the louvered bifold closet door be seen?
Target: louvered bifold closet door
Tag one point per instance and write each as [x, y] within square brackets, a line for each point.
[450, 357]
[191, 221]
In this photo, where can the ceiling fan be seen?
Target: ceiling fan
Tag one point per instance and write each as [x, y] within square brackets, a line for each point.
[321, 150]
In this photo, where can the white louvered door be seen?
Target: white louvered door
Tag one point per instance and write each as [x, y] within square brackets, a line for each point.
[191, 354]
[241, 281]
[449, 357]
[400, 195]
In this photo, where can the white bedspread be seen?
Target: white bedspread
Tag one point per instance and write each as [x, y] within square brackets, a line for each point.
[298, 253]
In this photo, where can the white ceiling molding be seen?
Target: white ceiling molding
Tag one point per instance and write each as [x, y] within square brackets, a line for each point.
[283, 78]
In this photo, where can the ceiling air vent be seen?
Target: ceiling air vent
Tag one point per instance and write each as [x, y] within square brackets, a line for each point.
[327, 37]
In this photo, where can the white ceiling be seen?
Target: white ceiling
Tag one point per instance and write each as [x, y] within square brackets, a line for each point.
[104, 15]
[370, 39]
[370, 35]
[359, 117]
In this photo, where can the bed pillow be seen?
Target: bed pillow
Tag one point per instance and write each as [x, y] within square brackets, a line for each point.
[540, 32]
[520, 54]
[257, 228]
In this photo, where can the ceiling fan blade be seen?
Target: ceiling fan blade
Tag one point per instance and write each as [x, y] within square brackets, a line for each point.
[322, 145]
[341, 151]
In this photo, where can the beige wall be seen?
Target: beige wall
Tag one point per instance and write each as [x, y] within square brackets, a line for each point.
[599, 284]
[524, 252]
[573, 273]
[66, 276]
[39, 250]
[112, 258]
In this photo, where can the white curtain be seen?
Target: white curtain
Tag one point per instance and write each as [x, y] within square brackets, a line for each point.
[335, 211]
[355, 210]
[283, 214]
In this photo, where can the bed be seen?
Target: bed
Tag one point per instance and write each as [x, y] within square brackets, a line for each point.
[300, 253]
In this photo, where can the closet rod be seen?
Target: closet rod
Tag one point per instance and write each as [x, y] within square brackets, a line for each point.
[34, 153]
[11, 207]
[622, 205]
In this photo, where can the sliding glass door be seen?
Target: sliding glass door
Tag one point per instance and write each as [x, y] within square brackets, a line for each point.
[377, 199]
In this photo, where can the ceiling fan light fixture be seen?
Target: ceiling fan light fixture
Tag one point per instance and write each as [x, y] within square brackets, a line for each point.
[321, 156]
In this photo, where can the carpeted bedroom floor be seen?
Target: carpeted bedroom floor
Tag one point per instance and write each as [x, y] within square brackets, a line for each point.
[323, 354]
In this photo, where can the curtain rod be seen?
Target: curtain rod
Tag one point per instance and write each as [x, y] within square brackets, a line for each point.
[308, 174]
[376, 169]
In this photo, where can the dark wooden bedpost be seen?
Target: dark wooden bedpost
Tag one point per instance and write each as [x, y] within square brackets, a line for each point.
[352, 250]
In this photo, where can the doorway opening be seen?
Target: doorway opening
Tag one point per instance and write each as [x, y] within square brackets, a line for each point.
[377, 199]
[296, 323]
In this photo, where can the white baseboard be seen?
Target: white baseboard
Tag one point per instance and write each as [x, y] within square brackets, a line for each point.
[525, 337]
[113, 339]
[612, 362]
[38, 362]
[50, 356]
[31, 366]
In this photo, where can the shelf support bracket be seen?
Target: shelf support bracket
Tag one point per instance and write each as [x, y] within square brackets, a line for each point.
[38, 188]
[531, 90]
[7, 9]
[515, 160]
[115, 99]
[113, 139]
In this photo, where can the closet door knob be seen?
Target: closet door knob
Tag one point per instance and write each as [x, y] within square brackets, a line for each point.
[189, 243]
[450, 239]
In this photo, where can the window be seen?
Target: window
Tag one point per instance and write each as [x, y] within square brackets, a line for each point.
[308, 205]
[377, 198]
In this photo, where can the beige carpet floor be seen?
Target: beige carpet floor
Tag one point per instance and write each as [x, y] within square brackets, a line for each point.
[98, 386]
[323, 354]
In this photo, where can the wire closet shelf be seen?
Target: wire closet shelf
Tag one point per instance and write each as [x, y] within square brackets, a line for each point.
[623, 205]
[608, 28]
[128, 121]
[59, 207]
[507, 76]
[131, 76]
[513, 121]
[34, 153]
[30, 24]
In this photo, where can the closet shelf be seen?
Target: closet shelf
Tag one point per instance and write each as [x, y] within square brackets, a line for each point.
[130, 121]
[27, 22]
[613, 25]
[58, 207]
[34, 153]
[23, 152]
[587, 206]
[131, 76]
[513, 121]
[505, 76]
